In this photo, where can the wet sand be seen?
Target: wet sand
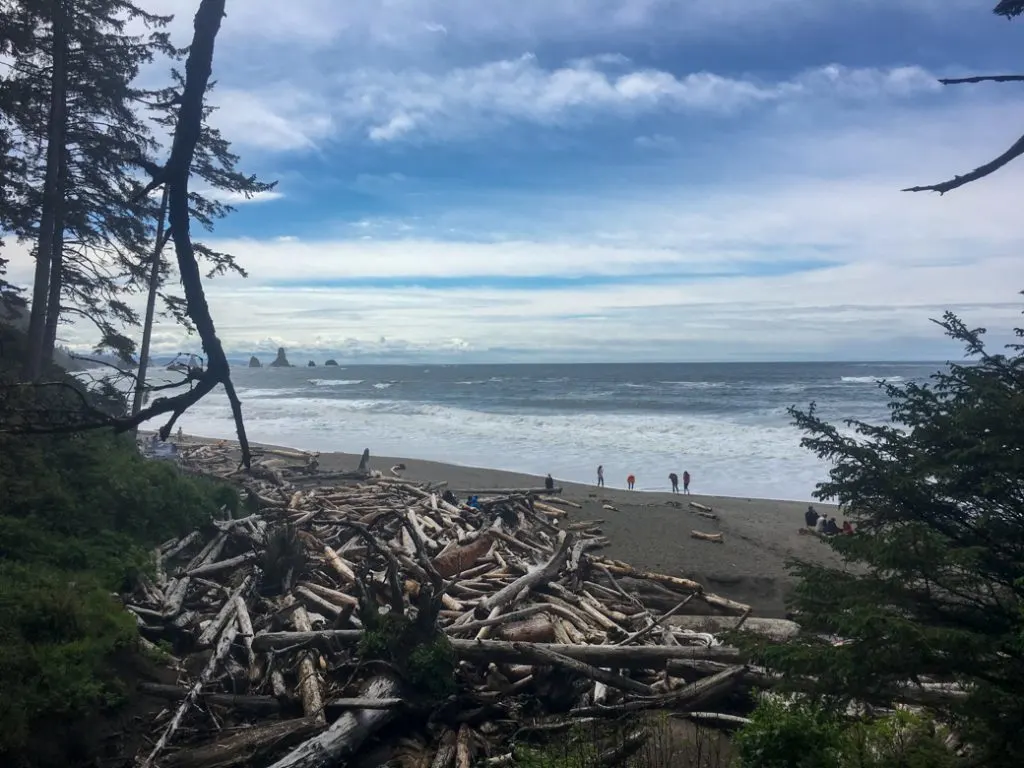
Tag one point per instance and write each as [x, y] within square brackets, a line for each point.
[652, 530]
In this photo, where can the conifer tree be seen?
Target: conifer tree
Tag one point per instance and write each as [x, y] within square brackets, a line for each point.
[89, 226]
[934, 580]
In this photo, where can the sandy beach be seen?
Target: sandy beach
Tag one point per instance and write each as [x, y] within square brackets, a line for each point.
[652, 530]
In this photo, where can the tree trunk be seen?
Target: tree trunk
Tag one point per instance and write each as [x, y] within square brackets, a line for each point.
[55, 131]
[147, 328]
[56, 264]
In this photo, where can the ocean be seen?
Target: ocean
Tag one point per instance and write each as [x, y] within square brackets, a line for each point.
[724, 423]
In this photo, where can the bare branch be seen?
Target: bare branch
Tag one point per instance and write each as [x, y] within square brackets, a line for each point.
[978, 173]
[982, 79]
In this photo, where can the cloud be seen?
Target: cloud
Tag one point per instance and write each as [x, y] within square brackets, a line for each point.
[238, 198]
[279, 119]
[397, 105]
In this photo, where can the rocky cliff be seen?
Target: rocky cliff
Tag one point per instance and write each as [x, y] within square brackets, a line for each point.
[332, 363]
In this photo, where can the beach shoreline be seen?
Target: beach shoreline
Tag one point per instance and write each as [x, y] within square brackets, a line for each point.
[649, 529]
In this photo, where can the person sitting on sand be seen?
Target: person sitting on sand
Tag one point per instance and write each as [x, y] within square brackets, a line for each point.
[549, 483]
[811, 516]
[847, 528]
[819, 526]
[630, 482]
[674, 479]
[686, 481]
[600, 475]
[831, 527]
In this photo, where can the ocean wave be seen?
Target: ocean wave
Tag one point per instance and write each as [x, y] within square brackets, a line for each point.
[383, 385]
[738, 457]
[693, 384]
[870, 379]
[334, 382]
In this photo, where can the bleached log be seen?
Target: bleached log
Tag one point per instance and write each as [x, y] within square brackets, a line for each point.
[225, 614]
[340, 566]
[445, 754]
[546, 572]
[222, 565]
[536, 654]
[258, 705]
[615, 656]
[776, 629]
[713, 537]
[330, 594]
[346, 734]
[507, 491]
[245, 631]
[309, 678]
[463, 744]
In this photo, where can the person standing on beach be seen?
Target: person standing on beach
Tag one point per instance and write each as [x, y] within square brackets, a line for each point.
[674, 479]
[686, 481]
[630, 481]
[600, 475]
[549, 483]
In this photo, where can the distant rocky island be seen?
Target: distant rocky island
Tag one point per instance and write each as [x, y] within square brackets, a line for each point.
[281, 361]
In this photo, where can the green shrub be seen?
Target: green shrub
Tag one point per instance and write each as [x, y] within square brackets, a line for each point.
[789, 735]
[79, 516]
[802, 734]
[58, 633]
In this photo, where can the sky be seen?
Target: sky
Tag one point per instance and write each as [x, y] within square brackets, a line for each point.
[560, 180]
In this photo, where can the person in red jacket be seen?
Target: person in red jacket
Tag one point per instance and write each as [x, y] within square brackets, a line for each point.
[630, 481]
[686, 482]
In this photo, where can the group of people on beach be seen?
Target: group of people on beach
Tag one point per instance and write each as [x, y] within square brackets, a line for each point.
[631, 480]
[824, 525]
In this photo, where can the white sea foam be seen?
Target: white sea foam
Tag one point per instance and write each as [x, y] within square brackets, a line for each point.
[383, 385]
[870, 379]
[334, 382]
[731, 457]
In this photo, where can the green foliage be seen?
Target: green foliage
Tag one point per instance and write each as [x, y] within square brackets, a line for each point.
[79, 515]
[58, 633]
[426, 662]
[789, 735]
[802, 734]
[935, 583]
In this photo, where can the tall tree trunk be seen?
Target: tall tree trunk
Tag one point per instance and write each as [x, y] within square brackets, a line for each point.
[51, 191]
[147, 328]
[56, 265]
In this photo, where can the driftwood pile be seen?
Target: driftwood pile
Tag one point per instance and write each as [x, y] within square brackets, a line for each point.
[352, 615]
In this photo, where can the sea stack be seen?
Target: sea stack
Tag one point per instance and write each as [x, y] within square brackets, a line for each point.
[281, 361]
[333, 363]
[254, 362]
[311, 364]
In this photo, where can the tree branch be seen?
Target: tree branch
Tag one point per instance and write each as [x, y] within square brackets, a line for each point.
[982, 79]
[978, 173]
